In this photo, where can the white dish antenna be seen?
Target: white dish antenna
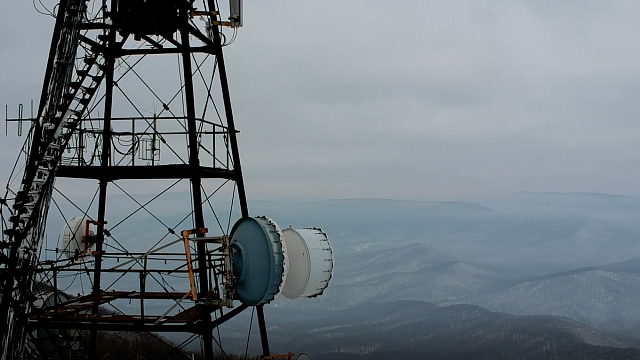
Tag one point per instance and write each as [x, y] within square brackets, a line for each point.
[78, 237]
[310, 257]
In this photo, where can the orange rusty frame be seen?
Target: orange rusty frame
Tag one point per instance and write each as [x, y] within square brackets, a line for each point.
[187, 250]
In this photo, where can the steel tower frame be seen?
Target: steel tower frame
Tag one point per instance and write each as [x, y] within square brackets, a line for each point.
[66, 95]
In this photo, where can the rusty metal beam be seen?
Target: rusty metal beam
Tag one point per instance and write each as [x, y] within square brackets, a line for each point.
[110, 173]
[192, 314]
[129, 323]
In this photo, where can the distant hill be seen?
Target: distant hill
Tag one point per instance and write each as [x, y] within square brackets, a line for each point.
[624, 210]
[407, 272]
[581, 230]
[572, 254]
[421, 330]
[605, 297]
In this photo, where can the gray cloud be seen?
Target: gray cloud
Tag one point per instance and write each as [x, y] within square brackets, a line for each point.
[413, 99]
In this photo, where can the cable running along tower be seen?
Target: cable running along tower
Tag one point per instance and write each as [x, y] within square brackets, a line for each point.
[131, 157]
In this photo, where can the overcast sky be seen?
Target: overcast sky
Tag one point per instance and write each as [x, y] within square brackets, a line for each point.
[411, 99]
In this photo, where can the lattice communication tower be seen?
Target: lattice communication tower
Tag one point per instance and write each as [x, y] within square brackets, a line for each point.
[136, 101]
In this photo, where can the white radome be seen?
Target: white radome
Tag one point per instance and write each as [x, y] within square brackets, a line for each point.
[310, 258]
[76, 240]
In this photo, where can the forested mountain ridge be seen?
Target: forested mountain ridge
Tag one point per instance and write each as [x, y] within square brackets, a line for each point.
[416, 329]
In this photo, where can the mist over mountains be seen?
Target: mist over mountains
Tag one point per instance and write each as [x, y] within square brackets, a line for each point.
[571, 255]
[538, 274]
[416, 329]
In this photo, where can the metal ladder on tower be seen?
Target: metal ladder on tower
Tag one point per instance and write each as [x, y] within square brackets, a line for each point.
[67, 100]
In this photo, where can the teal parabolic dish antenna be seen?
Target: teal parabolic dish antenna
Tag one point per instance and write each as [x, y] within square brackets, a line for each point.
[257, 253]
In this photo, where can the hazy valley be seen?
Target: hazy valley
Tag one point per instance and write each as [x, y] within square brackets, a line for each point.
[401, 265]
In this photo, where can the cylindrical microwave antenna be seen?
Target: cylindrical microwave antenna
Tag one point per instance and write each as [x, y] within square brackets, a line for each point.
[310, 262]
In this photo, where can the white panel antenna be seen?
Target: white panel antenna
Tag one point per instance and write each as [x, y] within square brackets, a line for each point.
[235, 10]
